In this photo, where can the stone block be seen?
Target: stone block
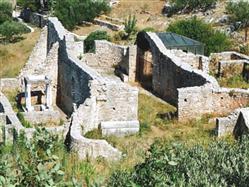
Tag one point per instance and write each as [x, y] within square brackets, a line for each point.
[119, 128]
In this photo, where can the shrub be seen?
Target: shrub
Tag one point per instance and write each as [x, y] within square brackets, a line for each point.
[5, 11]
[215, 41]
[220, 164]
[34, 5]
[11, 30]
[190, 5]
[73, 12]
[240, 12]
[23, 121]
[97, 35]
[130, 25]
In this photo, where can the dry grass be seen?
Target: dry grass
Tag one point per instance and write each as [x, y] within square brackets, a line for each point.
[13, 56]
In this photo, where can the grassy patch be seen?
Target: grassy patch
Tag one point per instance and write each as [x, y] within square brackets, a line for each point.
[13, 56]
[236, 81]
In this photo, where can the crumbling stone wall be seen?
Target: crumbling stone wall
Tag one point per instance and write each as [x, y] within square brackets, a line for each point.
[197, 101]
[88, 96]
[171, 73]
[111, 55]
[37, 57]
[195, 61]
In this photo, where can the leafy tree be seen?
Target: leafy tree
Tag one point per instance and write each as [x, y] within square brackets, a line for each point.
[240, 12]
[11, 30]
[130, 25]
[5, 11]
[215, 41]
[97, 35]
[73, 12]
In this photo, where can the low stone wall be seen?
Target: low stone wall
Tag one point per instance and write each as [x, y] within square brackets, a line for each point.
[231, 67]
[233, 123]
[108, 25]
[42, 117]
[197, 101]
[195, 61]
[110, 55]
[119, 128]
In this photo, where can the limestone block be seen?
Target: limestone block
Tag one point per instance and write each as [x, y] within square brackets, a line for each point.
[119, 128]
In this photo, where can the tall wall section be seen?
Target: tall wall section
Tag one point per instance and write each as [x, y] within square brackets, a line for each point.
[170, 73]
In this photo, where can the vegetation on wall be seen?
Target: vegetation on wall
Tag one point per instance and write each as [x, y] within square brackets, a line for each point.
[73, 12]
[215, 41]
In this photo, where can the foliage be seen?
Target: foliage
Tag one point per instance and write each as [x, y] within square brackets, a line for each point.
[97, 35]
[32, 162]
[190, 5]
[239, 12]
[94, 134]
[215, 41]
[236, 81]
[34, 5]
[12, 30]
[130, 25]
[73, 12]
[220, 164]
[5, 11]
[24, 122]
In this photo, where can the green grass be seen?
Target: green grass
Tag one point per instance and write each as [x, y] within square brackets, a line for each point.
[135, 147]
[236, 81]
[13, 56]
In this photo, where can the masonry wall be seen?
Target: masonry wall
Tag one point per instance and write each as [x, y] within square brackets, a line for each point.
[111, 55]
[73, 82]
[170, 73]
[197, 101]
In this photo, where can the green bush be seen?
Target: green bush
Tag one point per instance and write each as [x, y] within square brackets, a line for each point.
[190, 5]
[239, 12]
[11, 30]
[220, 164]
[23, 121]
[73, 12]
[130, 25]
[34, 5]
[97, 35]
[215, 41]
[5, 11]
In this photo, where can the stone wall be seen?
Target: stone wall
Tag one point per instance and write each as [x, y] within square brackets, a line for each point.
[34, 18]
[88, 96]
[197, 101]
[195, 61]
[36, 60]
[110, 55]
[171, 73]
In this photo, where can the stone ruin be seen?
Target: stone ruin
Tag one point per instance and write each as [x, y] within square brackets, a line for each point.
[92, 89]
[91, 96]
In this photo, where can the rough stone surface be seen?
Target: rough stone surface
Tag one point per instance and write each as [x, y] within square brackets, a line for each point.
[119, 128]
[242, 125]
